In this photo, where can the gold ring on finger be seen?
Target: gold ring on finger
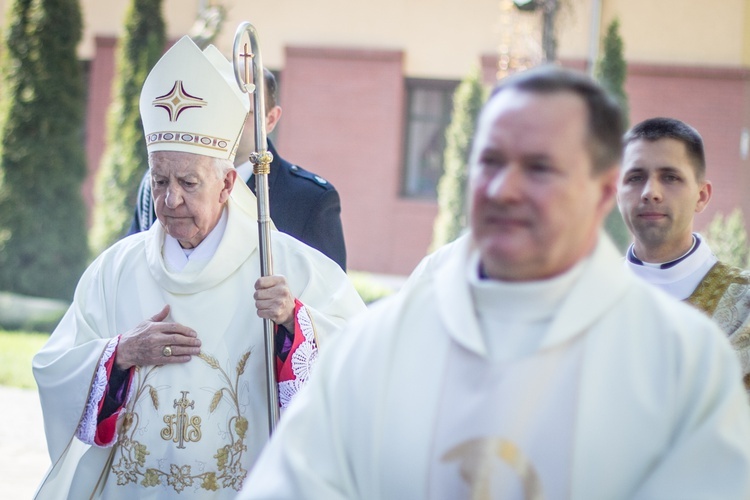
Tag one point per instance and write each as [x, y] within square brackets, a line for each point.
[167, 351]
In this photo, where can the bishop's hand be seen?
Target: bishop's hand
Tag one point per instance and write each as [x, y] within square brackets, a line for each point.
[274, 300]
[156, 342]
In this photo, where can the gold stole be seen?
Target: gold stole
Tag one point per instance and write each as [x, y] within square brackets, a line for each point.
[709, 293]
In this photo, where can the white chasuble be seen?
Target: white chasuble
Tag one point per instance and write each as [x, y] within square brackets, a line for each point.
[506, 412]
[189, 430]
[505, 430]
[621, 393]
[195, 427]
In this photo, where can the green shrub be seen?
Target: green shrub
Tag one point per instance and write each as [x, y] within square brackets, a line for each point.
[368, 288]
[727, 237]
[611, 72]
[18, 312]
[451, 217]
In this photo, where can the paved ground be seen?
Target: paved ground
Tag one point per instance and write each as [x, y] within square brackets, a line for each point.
[23, 451]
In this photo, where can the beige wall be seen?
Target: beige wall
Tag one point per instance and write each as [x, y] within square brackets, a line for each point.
[107, 18]
[692, 32]
[443, 37]
[681, 31]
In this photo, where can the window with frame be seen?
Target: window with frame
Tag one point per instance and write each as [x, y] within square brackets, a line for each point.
[429, 104]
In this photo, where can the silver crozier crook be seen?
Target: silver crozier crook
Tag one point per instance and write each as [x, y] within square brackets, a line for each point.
[261, 160]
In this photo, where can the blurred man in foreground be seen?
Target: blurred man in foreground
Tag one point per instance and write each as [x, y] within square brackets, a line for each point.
[524, 361]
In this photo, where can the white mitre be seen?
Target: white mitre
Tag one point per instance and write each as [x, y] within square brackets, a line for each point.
[190, 102]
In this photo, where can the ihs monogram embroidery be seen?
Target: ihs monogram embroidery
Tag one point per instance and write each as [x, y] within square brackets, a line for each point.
[180, 427]
[131, 460]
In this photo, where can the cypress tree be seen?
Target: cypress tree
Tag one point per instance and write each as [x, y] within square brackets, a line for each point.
[125, 157]
[451, 218]
[612, 69]
[42, 163]
[611, 73]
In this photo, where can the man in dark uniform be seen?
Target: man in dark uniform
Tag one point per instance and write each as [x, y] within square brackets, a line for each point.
[302, 204]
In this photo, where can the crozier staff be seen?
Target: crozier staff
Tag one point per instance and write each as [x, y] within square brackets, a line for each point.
[153, 384]
[247, 64]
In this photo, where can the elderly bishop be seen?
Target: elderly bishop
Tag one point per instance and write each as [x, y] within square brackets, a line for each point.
[154, 383]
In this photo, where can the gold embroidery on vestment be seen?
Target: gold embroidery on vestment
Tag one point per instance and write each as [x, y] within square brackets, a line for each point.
[475, 458]
[723, 295]
[182, 428]
[711, 289]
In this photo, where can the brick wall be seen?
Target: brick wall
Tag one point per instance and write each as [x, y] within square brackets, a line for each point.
[344, 119]
[101, 72]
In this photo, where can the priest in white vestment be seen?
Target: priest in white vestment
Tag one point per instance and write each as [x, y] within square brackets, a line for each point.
[522, 361]
[154, 383]
[662, 187]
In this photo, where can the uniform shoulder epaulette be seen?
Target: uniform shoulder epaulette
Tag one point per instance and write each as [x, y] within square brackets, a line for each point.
[301, 172]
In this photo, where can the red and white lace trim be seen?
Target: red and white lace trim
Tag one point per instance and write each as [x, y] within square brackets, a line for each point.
[87, 426]
[303, 358]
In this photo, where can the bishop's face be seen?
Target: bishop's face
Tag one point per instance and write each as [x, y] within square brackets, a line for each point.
[536, 204]
[189, 194]
[659, 195]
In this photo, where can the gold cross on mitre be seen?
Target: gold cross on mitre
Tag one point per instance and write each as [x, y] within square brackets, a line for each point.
[178, 100]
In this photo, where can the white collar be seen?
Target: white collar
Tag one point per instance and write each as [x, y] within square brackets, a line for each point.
[177, 258]
[600, 285]
[244, 171]
[527, 300]
[681, 279]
